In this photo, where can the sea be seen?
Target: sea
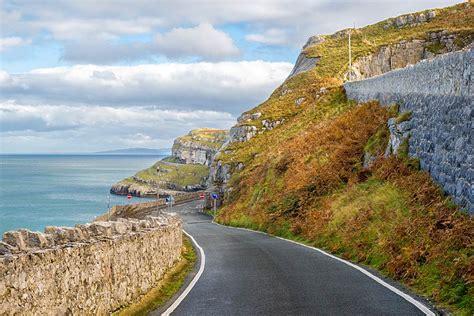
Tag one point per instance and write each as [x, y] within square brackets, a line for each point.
[62, 190]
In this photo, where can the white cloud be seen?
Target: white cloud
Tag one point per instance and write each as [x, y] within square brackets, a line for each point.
[8, 42]
[23, 127]
[203, 40]
[71, 19]
[91, 108]
[270, 37]
[224, 86]
[101, 51]
[18, 117]
[86, 28]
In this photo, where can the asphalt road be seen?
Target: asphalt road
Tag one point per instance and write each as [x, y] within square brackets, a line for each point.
[248, 273]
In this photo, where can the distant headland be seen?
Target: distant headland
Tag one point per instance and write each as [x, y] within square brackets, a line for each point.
[136, 151]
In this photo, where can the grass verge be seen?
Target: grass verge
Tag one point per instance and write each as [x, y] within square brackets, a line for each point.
[167, 287]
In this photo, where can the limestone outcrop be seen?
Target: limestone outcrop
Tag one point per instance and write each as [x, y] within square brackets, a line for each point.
[410, 20]
[87, 269]
[135, 188]
[406, 53]
[242, 133]
[304, 63]
[199, 146]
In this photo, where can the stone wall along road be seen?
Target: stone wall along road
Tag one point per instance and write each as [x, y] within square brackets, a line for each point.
[439, 95]
[90, 269]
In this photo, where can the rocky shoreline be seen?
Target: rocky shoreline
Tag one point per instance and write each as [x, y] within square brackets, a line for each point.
[143, 189]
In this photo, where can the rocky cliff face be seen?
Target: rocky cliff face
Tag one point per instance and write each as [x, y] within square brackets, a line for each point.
[407, 53]
[199, 146]
[303, 62]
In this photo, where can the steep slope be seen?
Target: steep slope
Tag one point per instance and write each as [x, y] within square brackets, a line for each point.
[186, 170]
[294, 165]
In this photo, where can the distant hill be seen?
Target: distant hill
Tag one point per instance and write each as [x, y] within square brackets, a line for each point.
[136, 151]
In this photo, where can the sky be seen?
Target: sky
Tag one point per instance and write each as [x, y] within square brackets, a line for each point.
[92, 75]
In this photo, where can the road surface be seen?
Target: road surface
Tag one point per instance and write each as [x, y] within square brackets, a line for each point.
[249, 273]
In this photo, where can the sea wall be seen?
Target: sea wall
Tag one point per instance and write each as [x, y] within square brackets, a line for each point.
[142, 209]
[438, 94]
[90, 269]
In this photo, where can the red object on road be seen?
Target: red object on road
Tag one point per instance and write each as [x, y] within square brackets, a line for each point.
[129, 196]
[201, 196]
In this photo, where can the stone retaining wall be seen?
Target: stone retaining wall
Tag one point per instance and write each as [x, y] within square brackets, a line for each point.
[90, 269]
[439, 95]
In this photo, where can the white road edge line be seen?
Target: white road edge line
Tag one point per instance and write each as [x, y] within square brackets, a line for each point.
[193, 282]
[407, 297]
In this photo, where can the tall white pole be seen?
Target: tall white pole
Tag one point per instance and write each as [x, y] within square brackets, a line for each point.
[350, 57]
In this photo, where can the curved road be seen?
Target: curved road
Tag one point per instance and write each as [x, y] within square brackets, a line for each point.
[249, 273]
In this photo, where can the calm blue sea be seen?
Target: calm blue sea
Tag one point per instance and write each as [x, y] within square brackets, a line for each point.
[61, 190]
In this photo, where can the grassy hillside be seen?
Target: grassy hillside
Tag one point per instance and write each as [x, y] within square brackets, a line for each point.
[164, 172]
[333, 61]
[305, 180]
[180, 174]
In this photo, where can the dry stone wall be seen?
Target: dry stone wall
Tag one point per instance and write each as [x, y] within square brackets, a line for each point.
[89, 269]
[439, 95]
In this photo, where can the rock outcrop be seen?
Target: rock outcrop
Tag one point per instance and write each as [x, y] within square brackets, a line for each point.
[135, 188]
[407, 53]
[410, 20]
[304, 63]
[242, 133]
[89, 269]
[199, 146]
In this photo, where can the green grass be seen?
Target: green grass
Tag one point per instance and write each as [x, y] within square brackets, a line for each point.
[243, 221]
[435, 47]
[168, 287]
[330, 105]
[403, 117]
[378, 142]
[212, 138]
[169, 175]
[180, 174]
